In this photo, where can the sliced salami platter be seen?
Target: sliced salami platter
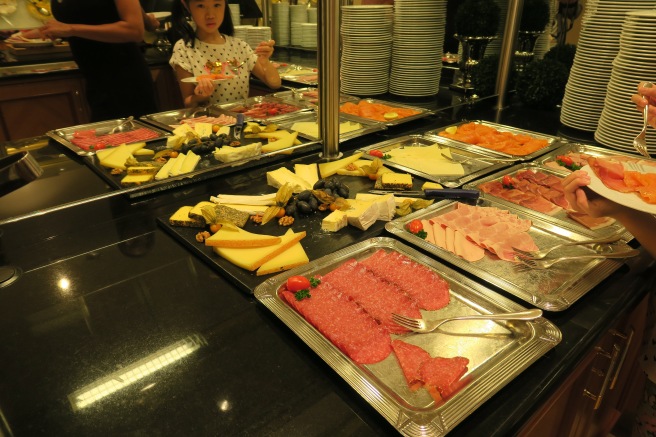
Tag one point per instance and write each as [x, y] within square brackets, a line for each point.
[497, 139]
[552, 289]
[423, 384]
[265, 108]
[450, 165]
[536, 190]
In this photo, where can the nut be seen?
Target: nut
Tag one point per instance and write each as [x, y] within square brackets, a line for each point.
[286, 220]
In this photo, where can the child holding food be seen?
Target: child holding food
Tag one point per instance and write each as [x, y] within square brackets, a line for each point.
[212, 65]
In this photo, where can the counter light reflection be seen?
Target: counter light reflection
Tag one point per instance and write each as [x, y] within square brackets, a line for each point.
[128, 375]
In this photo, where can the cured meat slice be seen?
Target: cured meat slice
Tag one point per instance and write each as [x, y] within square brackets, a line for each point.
[377, 297]
[410, 358]
[444, 374]
[643, 183]
[422, 284]
[611, 173]
[589, 221]
[428, 227]
[344, 323]
[89, 140]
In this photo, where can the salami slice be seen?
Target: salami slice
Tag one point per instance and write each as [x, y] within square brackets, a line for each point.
[410, 358]
[444, 374]
[344, 323]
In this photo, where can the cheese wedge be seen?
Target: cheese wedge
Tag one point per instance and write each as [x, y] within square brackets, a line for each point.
[281, 143]
[293, 257]
[307, 172]
[362, 214]
[427, 185]
[334, 221]
[385, 203]
[253, 257]
[163, 172]
[281, 176]
[231, 154]
[196, 212]
[327, 169]
[251, 209]
[190, 163]
[239, 238]
[134, 147]
[144, 152]
[176, 169]
[203, 129]
[117, 157]
[182, 218]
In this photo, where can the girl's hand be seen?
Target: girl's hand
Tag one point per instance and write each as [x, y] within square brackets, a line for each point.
[265, 49]
[204, 88]
[586, 201]
[646, 95]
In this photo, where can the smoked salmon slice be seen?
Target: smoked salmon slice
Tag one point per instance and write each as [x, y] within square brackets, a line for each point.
[490, 138]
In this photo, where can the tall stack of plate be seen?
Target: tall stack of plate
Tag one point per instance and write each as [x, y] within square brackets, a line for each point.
[280, 23]
[312, 15]
[366, 33]
[598, 45]
[620, 122]
[417, 47]
[241, 31]
[298, 15]
[258, 34]
[309, 35]
[235, 14]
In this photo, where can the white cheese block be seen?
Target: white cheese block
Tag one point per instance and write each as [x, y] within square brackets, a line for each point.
[293, 257]
[176, 169]
[163, 172]
[144, 152]
[385, 203]
[327, 169]
[362, 214]
[190, 162]
[281, 176]
[203, 129]
[308, 172]
[231, 154]
[334, 221]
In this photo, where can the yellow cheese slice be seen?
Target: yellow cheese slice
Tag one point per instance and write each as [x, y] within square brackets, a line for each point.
[307, 172]
[252, 209]
[134, 147]
[327, 169]
[117, 158]
[239, 238]
[281, 176]
[253, 257]
[293, 257]
[190, 162]
[163, 172]
[203, 129]
[282, 143]
[176, 169]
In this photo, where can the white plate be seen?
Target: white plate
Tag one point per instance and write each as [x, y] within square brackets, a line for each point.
[161, 15]
[194, 80]
[630, 200]
[32, 43]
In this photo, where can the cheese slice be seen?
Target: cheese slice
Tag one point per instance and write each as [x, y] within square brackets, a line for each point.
[253, 257]
[428, 185]
[362, 214]
[134, 147]
[182, 217]
[117, 158]
[385, 203]
[307, 172]
[190, 162]
[176, 169]
[281, 176]
[239, 238]
[231, 154]
[203, 129]
[293, 257]
[136, 179]
[197, 210]
[334, 221]
[327, 169]
[282, 143]
[144, 152]
[251, 209]
[163, 172]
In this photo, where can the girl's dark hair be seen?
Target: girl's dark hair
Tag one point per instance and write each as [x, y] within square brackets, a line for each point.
[181, 29]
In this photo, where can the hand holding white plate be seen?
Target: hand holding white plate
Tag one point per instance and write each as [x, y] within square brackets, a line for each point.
[630, 200]
[195, 79]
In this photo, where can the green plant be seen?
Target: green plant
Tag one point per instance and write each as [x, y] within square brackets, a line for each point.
[477, 18]
[535, 15]
[562, 52]
[484, 76]
[542, 83]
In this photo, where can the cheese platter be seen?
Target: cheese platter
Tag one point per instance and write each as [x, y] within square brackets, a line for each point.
[552, 289]
[494, 353]
[306, 124]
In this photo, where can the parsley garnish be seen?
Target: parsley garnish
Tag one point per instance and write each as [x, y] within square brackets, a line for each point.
[302, 294]
[573, 166]
[386, 156]
[314, 281]
[422, 234]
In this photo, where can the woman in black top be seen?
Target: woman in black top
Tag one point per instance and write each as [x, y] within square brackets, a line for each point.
[103, 36]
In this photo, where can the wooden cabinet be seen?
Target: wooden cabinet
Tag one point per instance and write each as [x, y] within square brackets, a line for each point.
[31, 107]
[606, 384]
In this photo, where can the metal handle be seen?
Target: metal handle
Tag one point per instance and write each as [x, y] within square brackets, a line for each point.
[625, 254]
[628, 339]
[531, 314]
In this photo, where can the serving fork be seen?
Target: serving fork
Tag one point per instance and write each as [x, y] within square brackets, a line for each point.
[541, 264]
[640, 141]
[539, 254]
[424, 326]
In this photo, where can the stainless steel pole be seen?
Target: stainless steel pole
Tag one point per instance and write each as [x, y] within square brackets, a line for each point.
[328, 63]
[508, 50]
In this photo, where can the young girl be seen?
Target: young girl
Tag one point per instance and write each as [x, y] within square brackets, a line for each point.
[212, 43]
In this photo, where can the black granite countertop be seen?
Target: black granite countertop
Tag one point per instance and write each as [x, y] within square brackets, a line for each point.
[104, 291]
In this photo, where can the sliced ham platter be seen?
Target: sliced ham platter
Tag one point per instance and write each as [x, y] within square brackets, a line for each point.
[423, 384]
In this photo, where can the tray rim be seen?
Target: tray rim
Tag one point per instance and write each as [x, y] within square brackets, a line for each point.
[265, 98]
[570, 146]
[436, 421]
[583, 284]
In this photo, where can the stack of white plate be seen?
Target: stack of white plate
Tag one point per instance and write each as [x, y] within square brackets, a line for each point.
[417, 47]
[258, 34]
[296, 33]
[280, 23]
[620, 122]
[312, 15]
[241, 31]
[297, 16]
[235, 14]
[597, 47]
[366, 33]
[309, 35]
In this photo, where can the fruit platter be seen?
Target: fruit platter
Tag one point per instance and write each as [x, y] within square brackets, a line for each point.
[265, 108]
[420, 383]
[497, 139]
[551, 289]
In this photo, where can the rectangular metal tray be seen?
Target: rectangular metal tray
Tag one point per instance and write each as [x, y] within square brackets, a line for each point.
[423, 112]
[368, 126]
[597, 152]
[560, 218]
[167, 120]
[236, 107]
[296, 95]
[497, 352]
[554, 142]
[475, 165]
[64, 135]
[554, 289]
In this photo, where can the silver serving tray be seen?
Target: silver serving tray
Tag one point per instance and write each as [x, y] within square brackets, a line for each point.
[560, 218]
[475, 167]
[296, 95]
[554, 142]
[497, 351]
[423, 112]
[234, 107]
[554, 289]
[368, 126]
[64, 135]
[167, 120]
[597, 152]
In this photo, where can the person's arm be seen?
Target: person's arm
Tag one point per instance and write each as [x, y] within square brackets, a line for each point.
[193, 94]
[264, 69]
[150, 22]
[640, 224]
[130, 27]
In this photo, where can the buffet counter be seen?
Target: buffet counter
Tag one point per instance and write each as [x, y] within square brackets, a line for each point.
[111, 326]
